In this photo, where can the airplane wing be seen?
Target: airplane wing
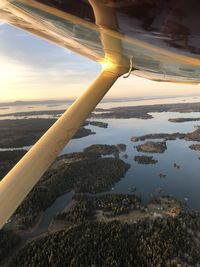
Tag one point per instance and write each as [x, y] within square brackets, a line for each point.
[163, 39]
[155, 39]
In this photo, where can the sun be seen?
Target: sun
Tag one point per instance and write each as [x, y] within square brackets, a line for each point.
[9, 72]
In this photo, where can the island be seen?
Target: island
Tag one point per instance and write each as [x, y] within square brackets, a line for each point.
[152, 147]
[164, 136]
[191, 136]
[98, 124]
[183, 119]
[145, 160]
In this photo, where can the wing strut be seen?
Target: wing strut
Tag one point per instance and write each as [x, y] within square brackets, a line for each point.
[21, 179]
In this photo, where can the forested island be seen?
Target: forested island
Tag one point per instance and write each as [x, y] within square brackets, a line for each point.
[145, 159]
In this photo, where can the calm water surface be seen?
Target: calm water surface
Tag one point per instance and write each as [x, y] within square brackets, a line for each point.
[181, 183]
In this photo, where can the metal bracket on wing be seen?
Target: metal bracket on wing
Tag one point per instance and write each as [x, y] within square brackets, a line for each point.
[130, 69]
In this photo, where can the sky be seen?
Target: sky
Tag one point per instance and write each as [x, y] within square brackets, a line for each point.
[33, 69]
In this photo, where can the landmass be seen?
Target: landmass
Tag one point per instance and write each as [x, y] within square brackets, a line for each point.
[25, 132]
[183, 119]
[145, 159]
[106, 149]
[106, 230]
[98, 208]
[8, 159]
[191, 136]
[122, 207]
[9, 240]
[164, 136]
[115, 230]
[141, 112]
[81, 172]
[98, 124]
[33, 113]
[152, 147]
[195, 147]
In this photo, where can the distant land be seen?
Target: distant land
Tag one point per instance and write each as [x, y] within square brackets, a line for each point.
[105, 100]
[124, 112]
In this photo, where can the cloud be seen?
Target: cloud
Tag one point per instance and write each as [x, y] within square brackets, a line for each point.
[31, 67]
